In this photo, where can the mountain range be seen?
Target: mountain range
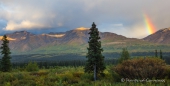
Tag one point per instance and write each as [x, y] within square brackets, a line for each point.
[76, 41]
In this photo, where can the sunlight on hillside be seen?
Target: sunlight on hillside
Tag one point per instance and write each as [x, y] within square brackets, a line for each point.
[7, 38]
[82, 28]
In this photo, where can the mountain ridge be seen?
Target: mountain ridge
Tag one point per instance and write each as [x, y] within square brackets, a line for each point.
[72, 40]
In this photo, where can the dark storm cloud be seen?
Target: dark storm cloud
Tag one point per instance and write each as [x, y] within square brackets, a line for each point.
[119, 16]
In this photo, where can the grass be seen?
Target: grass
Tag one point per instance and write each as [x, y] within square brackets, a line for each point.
[65, 76]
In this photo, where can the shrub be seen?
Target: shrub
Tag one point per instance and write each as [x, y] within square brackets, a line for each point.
[39, 73]
[141, 68]
[32, 66]
[77, 74]
[18, 75]
[6, 77]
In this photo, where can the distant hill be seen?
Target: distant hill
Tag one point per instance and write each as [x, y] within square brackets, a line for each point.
[76, 41]
[162, 36]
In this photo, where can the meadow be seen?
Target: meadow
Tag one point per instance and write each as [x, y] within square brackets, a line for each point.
[33, 75]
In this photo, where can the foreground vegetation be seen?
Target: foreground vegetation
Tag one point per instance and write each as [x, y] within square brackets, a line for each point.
[32, 75]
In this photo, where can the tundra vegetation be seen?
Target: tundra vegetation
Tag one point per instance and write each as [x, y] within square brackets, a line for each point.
[148, 68]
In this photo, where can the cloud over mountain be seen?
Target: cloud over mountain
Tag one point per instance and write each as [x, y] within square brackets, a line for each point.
[69, 14]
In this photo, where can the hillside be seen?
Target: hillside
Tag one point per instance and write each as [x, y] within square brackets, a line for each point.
[162, 36]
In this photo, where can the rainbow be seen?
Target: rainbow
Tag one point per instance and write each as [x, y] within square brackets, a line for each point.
[149, 25]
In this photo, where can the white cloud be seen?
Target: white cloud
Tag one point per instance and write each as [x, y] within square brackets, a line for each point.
[11, 25]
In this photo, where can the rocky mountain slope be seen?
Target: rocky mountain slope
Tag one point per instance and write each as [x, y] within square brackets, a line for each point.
[162, 36]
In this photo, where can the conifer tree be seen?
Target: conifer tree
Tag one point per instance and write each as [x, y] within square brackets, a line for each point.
[161, 57]
[95, 59]
[124, 55]
[5, 61]
[156, 53]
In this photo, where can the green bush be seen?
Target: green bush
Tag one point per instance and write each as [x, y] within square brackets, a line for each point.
[140, 68]
[32, 66]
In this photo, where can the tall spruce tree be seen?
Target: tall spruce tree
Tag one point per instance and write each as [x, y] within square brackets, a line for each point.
[5, 61]
[95, 59]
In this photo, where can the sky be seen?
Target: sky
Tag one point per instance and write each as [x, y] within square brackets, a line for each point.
[123, 17]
